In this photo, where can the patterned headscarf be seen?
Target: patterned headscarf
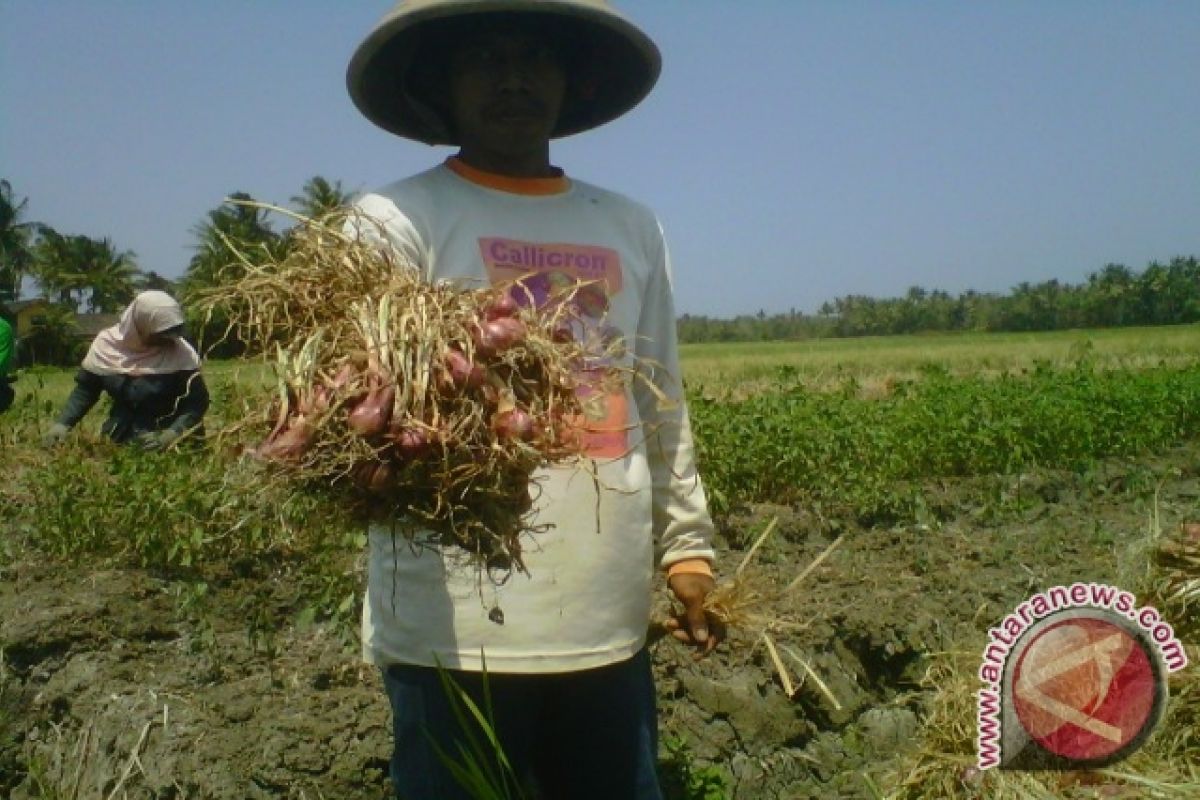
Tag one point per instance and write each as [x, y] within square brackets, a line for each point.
[123, 350]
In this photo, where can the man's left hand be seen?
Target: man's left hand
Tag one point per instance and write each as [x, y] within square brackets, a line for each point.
[695, 626]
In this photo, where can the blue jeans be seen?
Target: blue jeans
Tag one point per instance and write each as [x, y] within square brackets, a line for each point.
[588, 735]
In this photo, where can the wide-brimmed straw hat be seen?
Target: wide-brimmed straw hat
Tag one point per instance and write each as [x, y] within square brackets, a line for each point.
[612, 64]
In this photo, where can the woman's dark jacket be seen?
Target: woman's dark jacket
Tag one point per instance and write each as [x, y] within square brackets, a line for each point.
[140, 403]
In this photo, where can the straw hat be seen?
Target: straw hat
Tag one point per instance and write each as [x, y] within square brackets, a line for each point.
[392, 76]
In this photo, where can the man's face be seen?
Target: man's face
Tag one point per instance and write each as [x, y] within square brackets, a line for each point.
[506, 91]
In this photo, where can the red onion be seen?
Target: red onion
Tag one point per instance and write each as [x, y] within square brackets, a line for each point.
[292, 443]
[562, 333]
[374, 476]
[516, 423]
[412, 444]
[497, 335]
[503, 306]
[370, 417]
[463, 374]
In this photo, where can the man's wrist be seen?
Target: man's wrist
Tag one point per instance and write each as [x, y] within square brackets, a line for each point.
[690, 566]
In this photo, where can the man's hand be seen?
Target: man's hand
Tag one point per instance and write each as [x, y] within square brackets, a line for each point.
[695, 626]
[55, 435]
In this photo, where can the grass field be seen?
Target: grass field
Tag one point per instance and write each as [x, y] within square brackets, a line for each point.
[872, 360]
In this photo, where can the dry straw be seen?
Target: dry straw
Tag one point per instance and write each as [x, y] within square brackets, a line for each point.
[745, 602]
[1167, 766]
[944, 764]
[1175, 587]
[425, 403]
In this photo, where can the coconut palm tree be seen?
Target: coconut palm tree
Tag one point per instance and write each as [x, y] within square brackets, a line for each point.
[233, 235]
[319, 197]
[111, 274]
[81, 272]
[54, 267]
[15, 236]
[233, 232]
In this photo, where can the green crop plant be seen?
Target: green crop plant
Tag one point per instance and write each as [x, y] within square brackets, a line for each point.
[684, 779]
[166, 511]
[842, 451]
[199, 519]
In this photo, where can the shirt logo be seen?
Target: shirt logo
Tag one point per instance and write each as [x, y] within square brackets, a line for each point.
[544, 271]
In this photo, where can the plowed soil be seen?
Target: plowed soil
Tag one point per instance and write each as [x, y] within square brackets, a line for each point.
[109, 690]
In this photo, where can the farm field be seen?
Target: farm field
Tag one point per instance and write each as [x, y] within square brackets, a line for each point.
[170, 628]
[874, 360]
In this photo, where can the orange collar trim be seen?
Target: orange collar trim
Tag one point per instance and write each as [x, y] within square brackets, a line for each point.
[505, 183]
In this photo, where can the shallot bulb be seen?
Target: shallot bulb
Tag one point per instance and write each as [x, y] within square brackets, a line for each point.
[497, 335]
[412, 444]
[463, 373]
[376, 477]
[515, 424]
[370, 417]
[291, 444]
[562, 333]
[503, 306]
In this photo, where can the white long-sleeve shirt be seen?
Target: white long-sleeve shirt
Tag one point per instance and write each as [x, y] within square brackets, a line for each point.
[586, 599]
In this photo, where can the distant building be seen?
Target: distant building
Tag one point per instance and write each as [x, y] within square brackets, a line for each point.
[26, 315]
[88, 325]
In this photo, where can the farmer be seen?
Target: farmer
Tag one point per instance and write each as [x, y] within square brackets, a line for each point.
[564, 646]
[148, 369]
[6, 360]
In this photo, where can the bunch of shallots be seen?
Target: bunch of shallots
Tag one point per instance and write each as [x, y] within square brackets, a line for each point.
[431, 405]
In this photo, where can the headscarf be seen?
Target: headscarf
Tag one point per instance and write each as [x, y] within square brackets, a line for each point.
[122, 349]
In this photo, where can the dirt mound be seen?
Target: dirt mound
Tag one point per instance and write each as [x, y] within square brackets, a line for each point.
[109, 687]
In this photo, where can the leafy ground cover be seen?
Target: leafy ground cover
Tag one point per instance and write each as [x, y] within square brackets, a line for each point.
[844, 453]
[169, 631]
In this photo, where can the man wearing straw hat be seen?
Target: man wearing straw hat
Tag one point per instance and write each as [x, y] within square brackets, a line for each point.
[564, 647]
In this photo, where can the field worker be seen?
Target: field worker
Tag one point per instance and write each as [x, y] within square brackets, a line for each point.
[7, 348]
[148, 369]
[566, 662]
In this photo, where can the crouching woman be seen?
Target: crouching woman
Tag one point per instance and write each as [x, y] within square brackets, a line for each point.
[151, 373]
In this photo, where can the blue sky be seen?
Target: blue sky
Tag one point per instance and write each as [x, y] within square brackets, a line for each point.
[796, 151]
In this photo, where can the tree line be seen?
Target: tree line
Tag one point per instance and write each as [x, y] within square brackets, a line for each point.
[1114, 296]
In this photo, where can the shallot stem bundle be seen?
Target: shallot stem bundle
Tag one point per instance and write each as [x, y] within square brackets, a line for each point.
[429, 403]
